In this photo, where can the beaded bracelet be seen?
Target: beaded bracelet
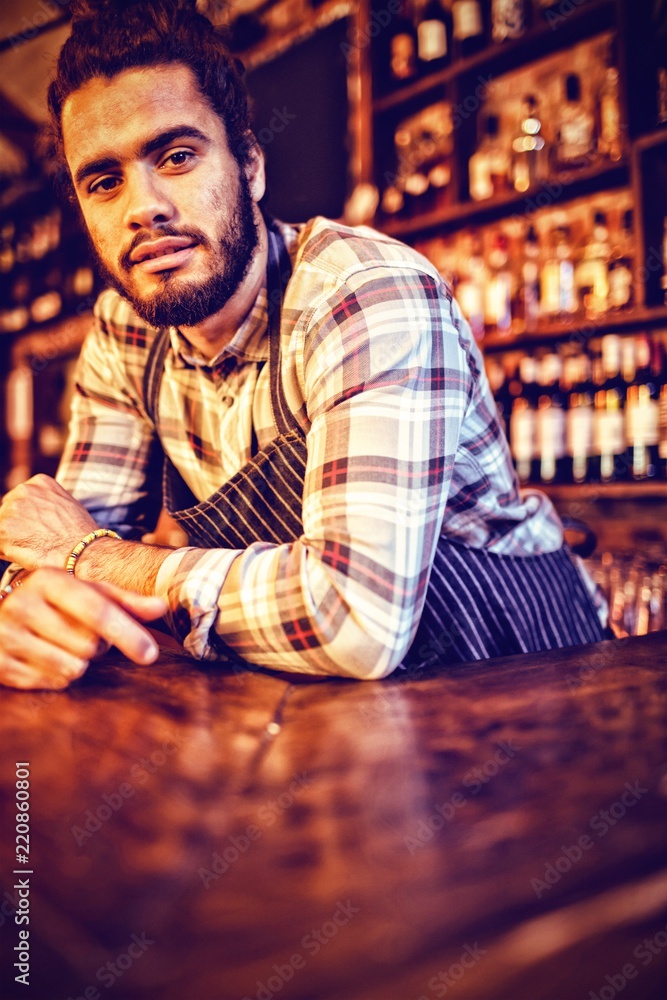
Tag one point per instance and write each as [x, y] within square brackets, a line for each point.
[78, 549]
[10, 588]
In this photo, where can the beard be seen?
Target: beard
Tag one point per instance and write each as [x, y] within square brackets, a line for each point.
[181, 303]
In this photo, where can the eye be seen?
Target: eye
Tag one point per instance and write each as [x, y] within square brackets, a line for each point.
[104, 185]
[178, 158]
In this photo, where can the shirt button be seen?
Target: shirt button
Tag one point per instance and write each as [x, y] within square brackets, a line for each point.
[228, 400]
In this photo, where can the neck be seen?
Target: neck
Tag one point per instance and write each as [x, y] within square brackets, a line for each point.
[218, 330]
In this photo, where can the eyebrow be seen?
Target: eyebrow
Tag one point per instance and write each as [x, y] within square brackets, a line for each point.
[150, 146]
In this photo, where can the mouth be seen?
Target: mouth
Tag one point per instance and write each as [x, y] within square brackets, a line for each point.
[162, 254]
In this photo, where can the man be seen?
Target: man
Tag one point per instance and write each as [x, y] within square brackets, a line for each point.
[331, 445]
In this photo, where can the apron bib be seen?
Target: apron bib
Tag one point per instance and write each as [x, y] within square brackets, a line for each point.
[477, 605]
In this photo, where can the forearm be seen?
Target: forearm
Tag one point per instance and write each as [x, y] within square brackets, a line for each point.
[130, 565]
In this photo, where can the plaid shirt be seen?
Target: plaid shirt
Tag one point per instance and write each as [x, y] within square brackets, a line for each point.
[357, 321]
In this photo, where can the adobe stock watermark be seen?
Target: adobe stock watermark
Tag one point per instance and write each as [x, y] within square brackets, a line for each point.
[311, 944]
[600, 824]
[113, 801]
[280, 119]
[474, 780]
[440, 984]
[360, 37]
[45, 12]
[236, 847]
[556, 16]
[110, 972]
[644, 953]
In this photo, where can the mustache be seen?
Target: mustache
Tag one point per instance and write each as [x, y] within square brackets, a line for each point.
[196, 235]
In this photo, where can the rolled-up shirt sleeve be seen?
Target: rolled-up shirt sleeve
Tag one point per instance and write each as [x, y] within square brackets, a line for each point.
[386, 382]
[109, 462]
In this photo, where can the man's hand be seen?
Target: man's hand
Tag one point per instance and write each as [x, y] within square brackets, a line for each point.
[40, 523]
[53, 625]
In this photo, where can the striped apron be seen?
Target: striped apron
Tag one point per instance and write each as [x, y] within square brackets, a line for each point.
[477, 604]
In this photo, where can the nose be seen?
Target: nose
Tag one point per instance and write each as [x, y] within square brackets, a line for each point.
[147, 203]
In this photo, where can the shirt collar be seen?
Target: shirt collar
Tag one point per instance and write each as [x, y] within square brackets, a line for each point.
[249, 343]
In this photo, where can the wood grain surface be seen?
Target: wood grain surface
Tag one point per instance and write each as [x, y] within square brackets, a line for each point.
[492, 832]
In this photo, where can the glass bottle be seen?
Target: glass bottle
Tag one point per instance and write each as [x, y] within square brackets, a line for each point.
[592, 271]
[662, 432]
[488, 167]
[523, 438]
[434, 34]
[579, 436]
[468, 26]
[508, 19]
[609, 135]
[550, 422]
[575, 130]
[530, 274]
[621, 284]
[557, 296]
[470, 290]
[529, 164]
[498, 305]
[403, 46]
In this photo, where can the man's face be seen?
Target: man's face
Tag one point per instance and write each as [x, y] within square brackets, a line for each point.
[170, 214]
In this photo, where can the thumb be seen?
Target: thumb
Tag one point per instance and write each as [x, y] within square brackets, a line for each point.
[138, 605]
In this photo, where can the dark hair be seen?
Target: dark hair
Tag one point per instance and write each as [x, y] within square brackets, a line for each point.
[109, 36]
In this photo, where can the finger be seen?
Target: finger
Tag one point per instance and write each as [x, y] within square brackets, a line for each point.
[140, 605]
[57, 627]
[36, 663]
[102, 613]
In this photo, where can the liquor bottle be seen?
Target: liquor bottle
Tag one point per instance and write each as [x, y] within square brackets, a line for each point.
[609, 435]
[574, 144]
[591, 276]
[530, 274]
[611, 363]
[508, 19]
[415, 187]
[523, 438]
[579, 436]
[434, 34]
[470, 290]
[523, 424]
[662, 432]
[488, 167]
[403, 46]
[557, 296]
[468, 30]
[550, 422]
[498, 304]
[621, 284]
[628, 362]
[508, 390]
[529, 164]
[642, 432]
[609, 134]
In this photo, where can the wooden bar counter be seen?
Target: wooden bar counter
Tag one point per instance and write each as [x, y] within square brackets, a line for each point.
[493, 832]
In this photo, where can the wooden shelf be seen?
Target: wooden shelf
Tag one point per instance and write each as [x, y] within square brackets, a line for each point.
[591, 492]
[578, 328]
[650, 141]
[591, 19]
[573, 184]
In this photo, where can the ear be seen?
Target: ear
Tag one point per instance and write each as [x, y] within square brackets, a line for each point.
[255, 169]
